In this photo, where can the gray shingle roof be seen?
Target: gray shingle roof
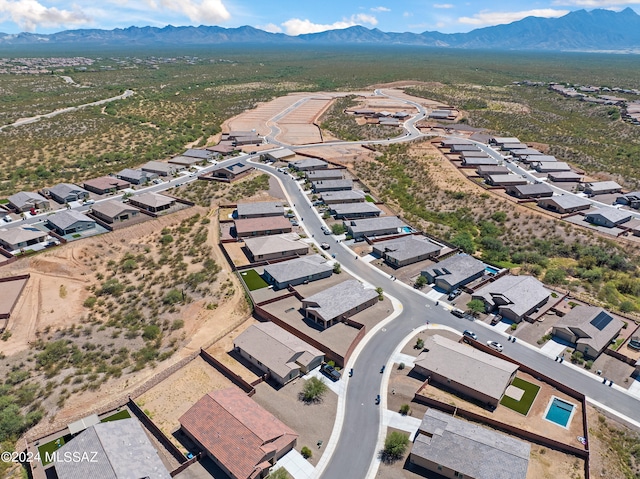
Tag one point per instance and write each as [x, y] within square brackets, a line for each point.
[612, 214]
[407, 247]
[25, 198]
[339, 299]
[309, 163]
[298, 268]
[596, 334]
[67, 218]
[470, 449]
[123, 452]
[277, 349]
[268, 208]
[466, 365]
[456, 269]
[521, 293]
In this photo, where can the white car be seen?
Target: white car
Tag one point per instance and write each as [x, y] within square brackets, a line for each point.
[495, 345]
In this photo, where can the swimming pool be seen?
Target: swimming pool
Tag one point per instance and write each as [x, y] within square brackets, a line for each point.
[559, 412]
[490, 270]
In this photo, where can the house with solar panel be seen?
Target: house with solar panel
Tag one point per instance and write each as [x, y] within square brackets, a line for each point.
[590, 328]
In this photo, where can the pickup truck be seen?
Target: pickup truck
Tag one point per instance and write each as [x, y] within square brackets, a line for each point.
[331, 372]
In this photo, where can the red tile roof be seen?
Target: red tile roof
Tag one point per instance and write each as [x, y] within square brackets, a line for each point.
[236, 430]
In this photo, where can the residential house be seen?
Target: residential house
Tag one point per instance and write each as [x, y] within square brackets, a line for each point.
[346, 196]
[550, 166]
[631, 199]
[112, 211]
[385, 225]
[276, 246]
[105, 185]
[297, 271]
[338, 302]
[285, 154]
[602, 188]
[113, 450]
[465, 369]
[608, 217]
[538, 190]
[451, 447]
[160, 168]
[271, 225]
[590, 328]
[478, 161]
[309, 164]
[260, 210]
[330, 174]
[153, 202]
[26, 200]
[505, 180]
[486, 170]
[453, 272]
[12, 239]
[66, 193]
[502, 140]
[406, 250]
[331, 185]
[355, 210]
[67, 222]
[514, 297]
[232, 172]
[277, 352]
[136, 177]
[565, 176]
[564, 203]
[239, 435]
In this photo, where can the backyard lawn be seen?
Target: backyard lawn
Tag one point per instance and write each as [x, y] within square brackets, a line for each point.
[253, 280]
[530, 393]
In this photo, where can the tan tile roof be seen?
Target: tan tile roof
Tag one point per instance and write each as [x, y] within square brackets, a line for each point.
[236, 430]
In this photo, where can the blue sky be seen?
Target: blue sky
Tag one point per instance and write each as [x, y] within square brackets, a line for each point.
[293, 17]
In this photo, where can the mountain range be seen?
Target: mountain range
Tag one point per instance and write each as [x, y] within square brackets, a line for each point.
[581, 30]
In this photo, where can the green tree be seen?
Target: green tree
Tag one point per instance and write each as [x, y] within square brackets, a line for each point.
[476, 306]
[313, 390]
[395, 445]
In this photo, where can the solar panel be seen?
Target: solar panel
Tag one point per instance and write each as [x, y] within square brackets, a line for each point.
[601, 320]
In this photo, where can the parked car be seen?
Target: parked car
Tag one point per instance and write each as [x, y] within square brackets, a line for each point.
[457, 312]
[325, 246]
[7, 219]
[454, 294]
[331, 372]
[470, 334]
[495, 345]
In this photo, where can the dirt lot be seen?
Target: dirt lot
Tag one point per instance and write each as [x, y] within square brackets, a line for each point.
[313, 422]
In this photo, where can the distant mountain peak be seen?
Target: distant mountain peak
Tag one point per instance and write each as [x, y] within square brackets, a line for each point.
[580, 30]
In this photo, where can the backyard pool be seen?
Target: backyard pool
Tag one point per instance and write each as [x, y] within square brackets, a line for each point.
[559, 412]
[490, 270]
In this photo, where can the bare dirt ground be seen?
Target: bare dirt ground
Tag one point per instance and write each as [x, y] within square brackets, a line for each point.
[313, 422]
[170, 399]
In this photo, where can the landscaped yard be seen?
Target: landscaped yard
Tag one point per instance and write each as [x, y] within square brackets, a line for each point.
[530, 393]
[253, 280]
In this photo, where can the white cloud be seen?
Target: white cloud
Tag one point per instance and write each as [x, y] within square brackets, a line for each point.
[443, 5]
[30, 14]
[596, 3]
[202, 11]
[296, 26]
[270, 27]
[380, 9]
[497, 18]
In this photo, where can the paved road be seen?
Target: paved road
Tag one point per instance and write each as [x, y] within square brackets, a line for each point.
[362, 416]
